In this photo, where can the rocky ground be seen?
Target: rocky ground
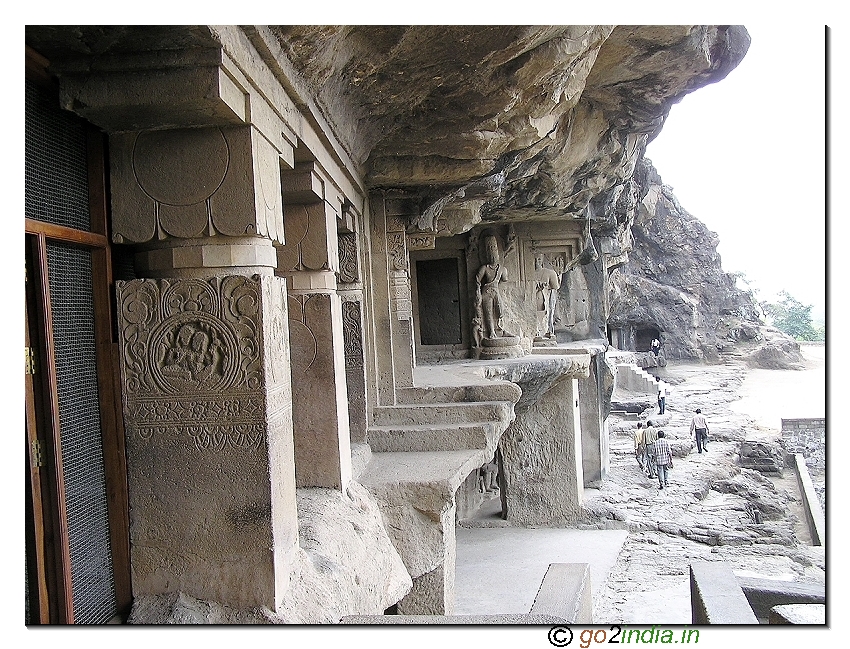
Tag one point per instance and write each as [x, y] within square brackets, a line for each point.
[713, 509]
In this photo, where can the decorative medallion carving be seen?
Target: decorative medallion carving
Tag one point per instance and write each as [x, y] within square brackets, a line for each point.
[191, 363]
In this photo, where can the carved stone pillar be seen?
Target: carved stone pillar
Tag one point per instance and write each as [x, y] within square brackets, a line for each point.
[207, 410]
[401, 301]
[541, 472]
[351, 293]
[391, 299]
[594, 442]
[310, 261]
[204, 351]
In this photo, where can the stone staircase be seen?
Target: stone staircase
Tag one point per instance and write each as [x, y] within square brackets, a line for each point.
[634, 379]
[422, 450]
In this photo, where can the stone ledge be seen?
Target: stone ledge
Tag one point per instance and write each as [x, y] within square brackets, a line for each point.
[811, 505]
[518, 618]
[765, 594]
[798, 614]
[716, 597]
[565, 592]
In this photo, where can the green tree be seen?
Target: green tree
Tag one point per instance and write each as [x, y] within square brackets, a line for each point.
[793, 317]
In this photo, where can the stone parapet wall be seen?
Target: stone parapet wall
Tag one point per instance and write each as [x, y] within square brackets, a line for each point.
[808, 438]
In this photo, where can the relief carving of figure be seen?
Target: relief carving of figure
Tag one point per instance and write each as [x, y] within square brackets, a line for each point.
[488, 305]
[547, 282]
[193, 355]
[487, 477]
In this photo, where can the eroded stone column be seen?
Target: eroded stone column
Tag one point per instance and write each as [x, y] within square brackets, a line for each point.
[207, 411]
[204, 351]
[310, 261]
[542, 474]
[594, 443]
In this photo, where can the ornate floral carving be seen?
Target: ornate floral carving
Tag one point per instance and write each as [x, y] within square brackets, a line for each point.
[397, 250]
[352, 333]
[348, 258]
[396, 224]
[191, 359]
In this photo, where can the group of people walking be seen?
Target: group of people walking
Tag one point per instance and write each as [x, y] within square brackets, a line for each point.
[653, 452]
[652, 448]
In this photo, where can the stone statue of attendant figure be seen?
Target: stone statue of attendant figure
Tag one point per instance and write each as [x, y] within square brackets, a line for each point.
[488, 304]
[547, 282]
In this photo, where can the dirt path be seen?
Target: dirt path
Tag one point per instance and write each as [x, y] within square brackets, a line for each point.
[707, 513]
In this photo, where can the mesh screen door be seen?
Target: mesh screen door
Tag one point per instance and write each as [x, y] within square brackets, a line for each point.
[70, 541]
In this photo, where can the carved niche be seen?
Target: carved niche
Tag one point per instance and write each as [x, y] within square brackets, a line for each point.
[191, 362]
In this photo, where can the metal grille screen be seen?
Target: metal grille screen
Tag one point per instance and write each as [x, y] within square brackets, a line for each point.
[72, 309]
[56, 167]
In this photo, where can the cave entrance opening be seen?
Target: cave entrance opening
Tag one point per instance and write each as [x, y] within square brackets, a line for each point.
[644, 338]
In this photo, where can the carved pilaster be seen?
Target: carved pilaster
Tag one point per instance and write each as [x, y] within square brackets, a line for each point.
[207, 410]
[349, 271]
[355, 372]
[320, 412]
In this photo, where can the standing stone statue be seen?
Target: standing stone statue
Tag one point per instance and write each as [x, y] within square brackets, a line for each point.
[546, 285]
[490, 339]
[488, 304]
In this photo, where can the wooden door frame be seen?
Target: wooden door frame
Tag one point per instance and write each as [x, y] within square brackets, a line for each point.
[50, 521]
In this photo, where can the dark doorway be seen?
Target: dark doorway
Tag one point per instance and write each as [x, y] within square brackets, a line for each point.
[643, 339]
[439, 301]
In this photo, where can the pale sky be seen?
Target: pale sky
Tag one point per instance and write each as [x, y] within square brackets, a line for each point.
[746, 157]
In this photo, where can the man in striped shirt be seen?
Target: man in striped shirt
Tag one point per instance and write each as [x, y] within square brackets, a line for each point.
[663, 458]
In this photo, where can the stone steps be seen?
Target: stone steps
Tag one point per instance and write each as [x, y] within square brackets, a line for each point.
[491, 391]
[441, 414]
[429, 437]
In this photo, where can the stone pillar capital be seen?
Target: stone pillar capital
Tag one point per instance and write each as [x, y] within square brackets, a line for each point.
[184, 184]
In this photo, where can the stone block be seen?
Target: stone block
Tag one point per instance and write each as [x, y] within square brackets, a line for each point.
[542, 459]
[320, 398]
[208, 421]
[716, 597]
[189, 183]
[798, 614]
[566, 593]
[765, 594]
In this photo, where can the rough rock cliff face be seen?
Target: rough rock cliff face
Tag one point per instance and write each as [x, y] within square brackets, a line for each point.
[673, 282]
[509, 122]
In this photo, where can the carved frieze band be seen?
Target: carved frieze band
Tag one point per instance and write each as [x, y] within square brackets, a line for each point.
[191, 364]
[421, 241]
[352, 333]
[348, 271]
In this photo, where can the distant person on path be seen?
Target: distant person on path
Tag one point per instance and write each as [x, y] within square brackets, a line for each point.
[662, 395]
[699, 428]
[640, 449]
[650, 435]
[655, 346]
[663, 458]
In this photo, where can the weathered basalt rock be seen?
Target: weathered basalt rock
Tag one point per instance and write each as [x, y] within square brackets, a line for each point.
[673, 283]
